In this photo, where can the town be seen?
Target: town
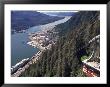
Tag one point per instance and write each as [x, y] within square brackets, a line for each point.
[42, 40]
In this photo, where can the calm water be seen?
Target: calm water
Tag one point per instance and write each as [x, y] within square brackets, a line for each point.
[19, 47]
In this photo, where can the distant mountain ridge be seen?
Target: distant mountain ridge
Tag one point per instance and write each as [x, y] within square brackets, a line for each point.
[21, 20]
[60, 13]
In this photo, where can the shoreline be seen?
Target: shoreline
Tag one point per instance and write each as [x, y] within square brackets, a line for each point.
[32, 60]
[22, 66]
[40, 40]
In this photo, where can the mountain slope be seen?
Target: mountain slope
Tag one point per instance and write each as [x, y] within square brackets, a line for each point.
[64, 58]
[21, 20]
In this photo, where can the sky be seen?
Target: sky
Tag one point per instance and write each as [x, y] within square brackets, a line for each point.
[54, 13]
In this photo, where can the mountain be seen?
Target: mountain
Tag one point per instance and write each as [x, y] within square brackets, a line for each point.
[64, 58]
[78, 20]
[21, 20]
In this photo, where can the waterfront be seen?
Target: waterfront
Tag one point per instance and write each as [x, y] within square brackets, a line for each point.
[19, 47]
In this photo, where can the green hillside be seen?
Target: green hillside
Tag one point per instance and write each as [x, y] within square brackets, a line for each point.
[64, 58]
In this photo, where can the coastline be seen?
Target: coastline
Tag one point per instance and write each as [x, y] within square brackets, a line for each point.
[40, 40]
[36, 43]
[26, 66]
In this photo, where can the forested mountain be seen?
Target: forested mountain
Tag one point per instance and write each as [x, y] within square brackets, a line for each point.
[21, 20]
[64, 58]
